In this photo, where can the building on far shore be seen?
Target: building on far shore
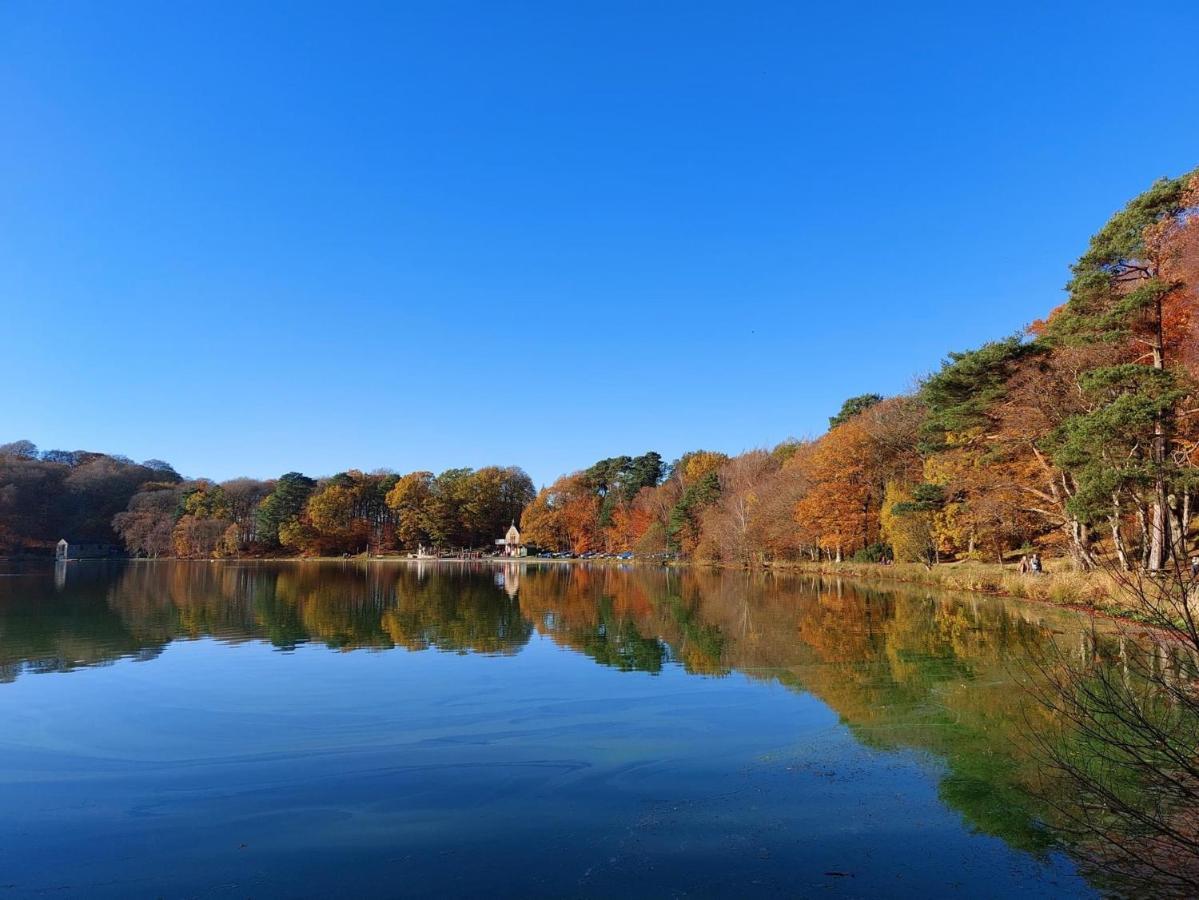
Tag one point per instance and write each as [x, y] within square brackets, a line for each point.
[510, 544]
[85, 550]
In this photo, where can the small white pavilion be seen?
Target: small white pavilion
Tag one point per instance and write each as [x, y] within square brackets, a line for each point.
[510, 544]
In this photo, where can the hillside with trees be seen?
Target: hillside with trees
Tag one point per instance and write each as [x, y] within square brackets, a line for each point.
[48, 495]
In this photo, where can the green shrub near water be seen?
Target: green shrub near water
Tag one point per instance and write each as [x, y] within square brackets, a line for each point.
[875, 553]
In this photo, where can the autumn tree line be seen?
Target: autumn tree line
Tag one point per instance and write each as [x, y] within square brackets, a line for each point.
[1078, 437]
[352, 512]
[154, 512]
[47, 495]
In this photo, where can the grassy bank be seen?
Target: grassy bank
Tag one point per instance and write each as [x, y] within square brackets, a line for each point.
[1059, 584]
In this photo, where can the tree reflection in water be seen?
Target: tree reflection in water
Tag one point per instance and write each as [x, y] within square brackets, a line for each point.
[950, 676]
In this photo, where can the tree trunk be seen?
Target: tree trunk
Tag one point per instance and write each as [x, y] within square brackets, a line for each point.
[1159, 546]
[1143, 526]
[1117, 538]
[1174, 527]
[1184, 529]
[1159, 530]
[1080, 546]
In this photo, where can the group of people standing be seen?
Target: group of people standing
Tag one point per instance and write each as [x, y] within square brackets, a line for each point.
[1031, 564]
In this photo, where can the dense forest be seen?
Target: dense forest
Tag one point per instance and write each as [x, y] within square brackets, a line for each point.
[1077, 437]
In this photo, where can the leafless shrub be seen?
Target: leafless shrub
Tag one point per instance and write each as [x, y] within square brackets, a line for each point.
[1123, 753]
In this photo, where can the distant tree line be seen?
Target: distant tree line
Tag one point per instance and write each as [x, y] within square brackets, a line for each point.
[154, 512]
[47, 495]
[351, 512]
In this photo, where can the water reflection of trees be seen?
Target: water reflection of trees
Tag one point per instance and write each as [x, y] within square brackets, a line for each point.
[954, 677]
[42, 630]
[94, 615]
[902, 669]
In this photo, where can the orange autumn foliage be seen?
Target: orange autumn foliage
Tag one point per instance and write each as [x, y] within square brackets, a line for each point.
[842, 504]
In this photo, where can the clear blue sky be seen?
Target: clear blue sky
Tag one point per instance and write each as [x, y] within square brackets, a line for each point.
[254, 237]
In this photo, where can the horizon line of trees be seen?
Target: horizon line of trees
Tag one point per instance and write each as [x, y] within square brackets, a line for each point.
[153, 511]
[351, 512]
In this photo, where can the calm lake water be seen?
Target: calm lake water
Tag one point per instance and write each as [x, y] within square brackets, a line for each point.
[317, 729]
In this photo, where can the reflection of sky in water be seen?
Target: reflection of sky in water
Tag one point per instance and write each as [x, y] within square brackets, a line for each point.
[224, 766]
